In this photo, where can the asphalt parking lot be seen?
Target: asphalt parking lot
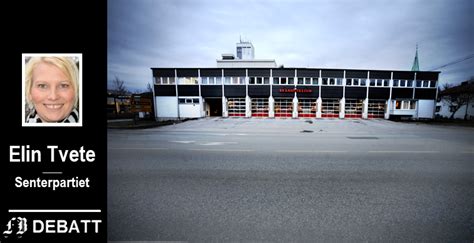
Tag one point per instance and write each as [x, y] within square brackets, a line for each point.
[219, 179]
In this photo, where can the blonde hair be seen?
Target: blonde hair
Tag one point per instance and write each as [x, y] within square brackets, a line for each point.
[65, 64]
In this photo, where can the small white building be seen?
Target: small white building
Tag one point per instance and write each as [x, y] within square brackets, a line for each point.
[447, 104]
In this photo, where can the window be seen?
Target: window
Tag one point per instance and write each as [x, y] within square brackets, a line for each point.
[396, 83]
[405, 104]
[164, 80]
[258, 80]
[398, 104]
[218, 80]
[348, 81]
[188, 80]
[355, 82]
[283, 80]
[362, 81]
[331, 81]
[252, 80]
[306, 81]
[379, 82]
[227, 80]
[188, 101]
[372, 82]
[418, 83]
[325, 81]
[426, 83]
[432, 84]
[403, 83]
[315, 81]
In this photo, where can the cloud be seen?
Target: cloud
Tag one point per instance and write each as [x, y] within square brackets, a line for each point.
[329, 34]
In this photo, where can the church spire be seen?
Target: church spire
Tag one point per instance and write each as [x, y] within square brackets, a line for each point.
[416, 65]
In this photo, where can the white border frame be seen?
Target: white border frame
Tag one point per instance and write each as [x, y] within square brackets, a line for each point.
[23, 98]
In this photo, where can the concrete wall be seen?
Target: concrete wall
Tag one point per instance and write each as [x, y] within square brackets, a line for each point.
[189, 110]
[425, 108]
[166, 107]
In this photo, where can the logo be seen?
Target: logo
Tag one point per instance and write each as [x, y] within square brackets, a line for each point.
[16, 226]
[286, 90]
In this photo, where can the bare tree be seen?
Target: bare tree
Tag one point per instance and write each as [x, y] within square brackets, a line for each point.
[458, 96]
[119, 86]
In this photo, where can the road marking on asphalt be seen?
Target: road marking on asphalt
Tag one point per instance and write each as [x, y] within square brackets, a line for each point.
[139, 148]
[224, 150]
[311, 151]
[217, 143]
[182, 141]
[467, 152]
[417, 152]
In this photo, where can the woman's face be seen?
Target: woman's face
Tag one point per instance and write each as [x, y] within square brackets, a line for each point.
[51, 92]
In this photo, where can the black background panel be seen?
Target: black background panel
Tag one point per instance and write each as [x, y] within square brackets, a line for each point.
[235, 72]
[211, 72]
[331, 92]
[165, 90]
[356, 92]
[163, 72]
[379, 93]
[188, 90]
[356, 74]
[211, 90]
[405, 93]
[380, 75]
[234, 91]
[259, 90]
[283, 72]
[426, 94]
[404, 75]
[332, 73]
[187, 72]
[311, 73]
[259, 72]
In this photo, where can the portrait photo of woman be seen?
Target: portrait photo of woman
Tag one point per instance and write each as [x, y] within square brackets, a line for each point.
[52, 90]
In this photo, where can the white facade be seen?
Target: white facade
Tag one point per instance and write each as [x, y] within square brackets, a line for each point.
[245, 51]
[425, 109]
[166, 107]
[190, 107]
[255, 63]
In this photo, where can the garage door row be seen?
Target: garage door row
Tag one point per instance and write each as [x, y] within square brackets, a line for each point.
[307, 108]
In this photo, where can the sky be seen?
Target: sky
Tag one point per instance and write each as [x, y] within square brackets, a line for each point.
[363, 34]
